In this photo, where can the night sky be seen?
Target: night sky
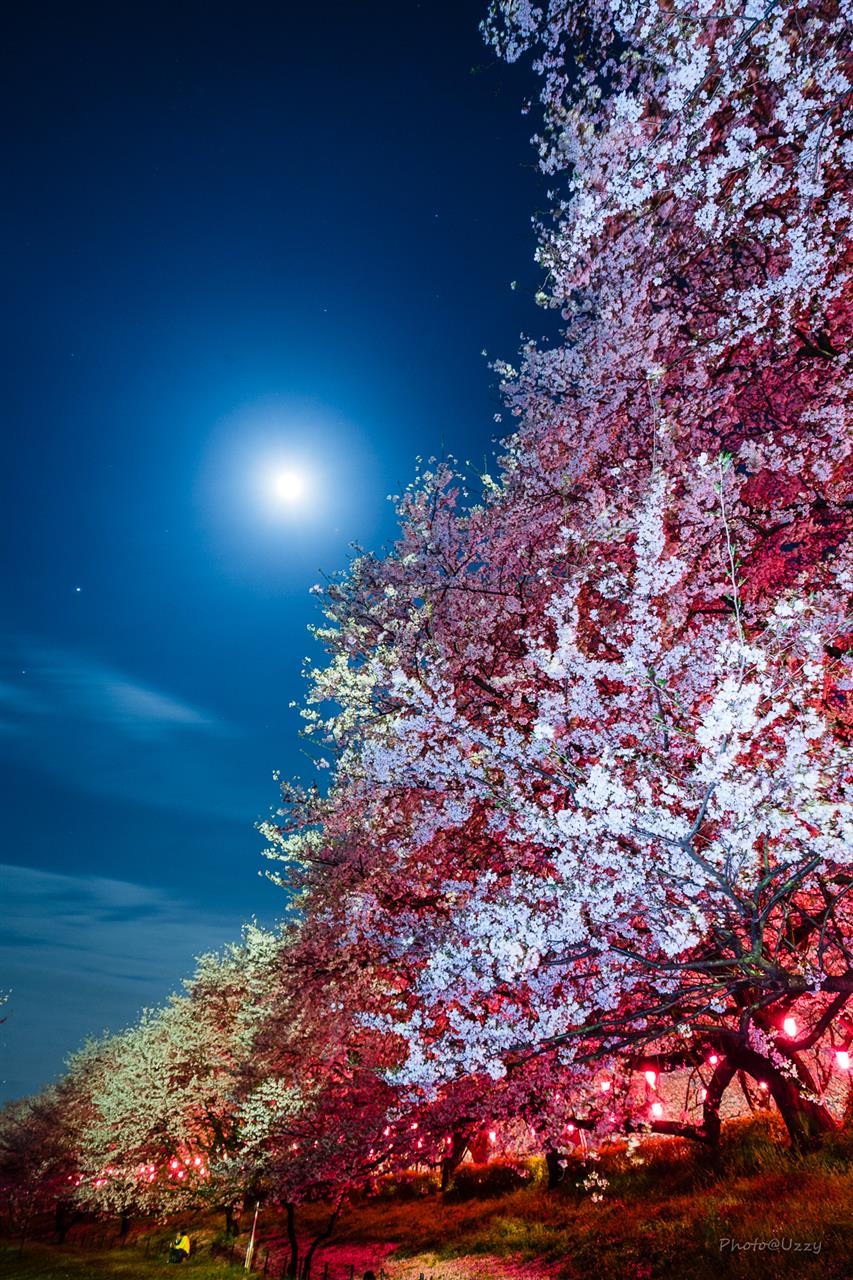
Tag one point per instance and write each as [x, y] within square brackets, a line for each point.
[237, 237]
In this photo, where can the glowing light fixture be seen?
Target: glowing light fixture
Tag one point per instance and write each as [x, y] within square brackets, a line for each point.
[789, 1026]
[651, 1078]
[842, 1057]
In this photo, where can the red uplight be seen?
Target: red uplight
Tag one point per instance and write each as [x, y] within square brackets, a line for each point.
[842, 1057]
[651, 1078]
[789, 1026]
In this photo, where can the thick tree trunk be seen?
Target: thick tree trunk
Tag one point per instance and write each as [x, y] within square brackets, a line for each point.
[807, 1122]
[64, 1217]
[719, 1082]
[230, 1226]
[123, 1226]
[555, 1169]
[451, 1161]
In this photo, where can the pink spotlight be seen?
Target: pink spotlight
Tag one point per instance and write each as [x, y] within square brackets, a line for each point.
[657, 1109]
[842, 1057]
[713, 1059]
[651, 1078]
[762, 1084]
[605, 1086]
[493, 1137]
[703, 1093]
[789, 1026]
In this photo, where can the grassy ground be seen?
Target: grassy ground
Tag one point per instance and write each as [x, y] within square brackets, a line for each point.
[45, 1262]
[670, 1216]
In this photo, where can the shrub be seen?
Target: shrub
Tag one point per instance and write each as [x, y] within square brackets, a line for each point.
[493, 1179]
[409, 1185]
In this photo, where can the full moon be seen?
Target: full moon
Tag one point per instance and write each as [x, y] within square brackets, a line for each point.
[288, 486]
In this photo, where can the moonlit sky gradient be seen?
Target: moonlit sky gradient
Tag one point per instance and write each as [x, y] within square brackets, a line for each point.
[239, 240]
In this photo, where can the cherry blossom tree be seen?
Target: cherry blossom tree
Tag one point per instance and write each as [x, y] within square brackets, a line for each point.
[161, 1130]
[37, 1160]
[592, 779]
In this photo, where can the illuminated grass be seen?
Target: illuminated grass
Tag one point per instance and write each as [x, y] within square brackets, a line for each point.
[663, 1218]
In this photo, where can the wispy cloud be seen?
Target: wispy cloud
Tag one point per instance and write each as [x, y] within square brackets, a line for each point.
[52, 682]
[104, 731]
[81, 953]
[134, 705]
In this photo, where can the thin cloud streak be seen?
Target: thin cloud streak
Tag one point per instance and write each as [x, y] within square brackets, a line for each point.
[102, 948]
[103, 732]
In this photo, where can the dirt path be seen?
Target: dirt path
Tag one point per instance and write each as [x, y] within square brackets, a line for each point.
[338, 1260]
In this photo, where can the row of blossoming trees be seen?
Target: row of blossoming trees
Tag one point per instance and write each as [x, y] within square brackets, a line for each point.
[589, 812]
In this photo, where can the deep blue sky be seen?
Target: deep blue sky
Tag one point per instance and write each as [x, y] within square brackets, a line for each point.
[234, 234]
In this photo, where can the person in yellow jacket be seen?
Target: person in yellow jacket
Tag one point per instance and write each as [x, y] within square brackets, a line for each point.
[180, 1249]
